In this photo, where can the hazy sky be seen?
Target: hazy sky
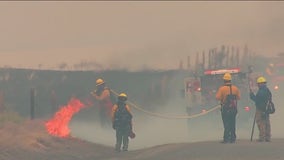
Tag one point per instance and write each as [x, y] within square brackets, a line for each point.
[133, 34]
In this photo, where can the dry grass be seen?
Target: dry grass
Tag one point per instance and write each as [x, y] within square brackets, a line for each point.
[28, 140]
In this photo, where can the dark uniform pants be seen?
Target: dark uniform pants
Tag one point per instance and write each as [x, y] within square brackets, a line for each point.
[122, 138]
[105, 114]
[229, 123]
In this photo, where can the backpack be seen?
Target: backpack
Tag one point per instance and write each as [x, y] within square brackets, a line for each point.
[270, 108]
[122, 118]
[230, 104]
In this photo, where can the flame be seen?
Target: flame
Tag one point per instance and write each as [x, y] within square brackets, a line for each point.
[58, 125]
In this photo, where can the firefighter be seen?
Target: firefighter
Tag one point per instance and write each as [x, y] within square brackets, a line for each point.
[261, 98]
[122, 123]
[102, 95]
[228, 94]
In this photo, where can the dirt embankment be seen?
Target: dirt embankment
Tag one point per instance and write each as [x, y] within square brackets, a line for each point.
[30, 141]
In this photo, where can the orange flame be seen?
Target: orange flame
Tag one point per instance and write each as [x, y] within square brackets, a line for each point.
[58, 125]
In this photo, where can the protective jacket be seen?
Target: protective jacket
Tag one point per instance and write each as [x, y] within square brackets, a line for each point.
[225, 90]
[104, 99]
[261, 98]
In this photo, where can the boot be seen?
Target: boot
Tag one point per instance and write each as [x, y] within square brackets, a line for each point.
[260, 140]
[125, 148]
[117, 148]
[125, 142]
[267, 140]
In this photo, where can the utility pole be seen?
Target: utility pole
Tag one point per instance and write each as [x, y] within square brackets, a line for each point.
[32, 103]
[188, 62]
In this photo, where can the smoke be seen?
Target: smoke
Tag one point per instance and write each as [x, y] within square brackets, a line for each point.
[277, 119]
[134, 35]
[154, 130]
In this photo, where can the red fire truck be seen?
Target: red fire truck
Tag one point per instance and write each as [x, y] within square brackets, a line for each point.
[275, 75]
[200, 92]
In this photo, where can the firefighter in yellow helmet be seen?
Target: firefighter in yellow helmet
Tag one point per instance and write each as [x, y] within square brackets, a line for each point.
[122, 123]
[99, 82]
[102, 94]
[261, 99]
[228, 95]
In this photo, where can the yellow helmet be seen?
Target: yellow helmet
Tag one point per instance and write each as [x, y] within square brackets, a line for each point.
[227, 77]
[99, 82]
[261, 80]
[122, 96]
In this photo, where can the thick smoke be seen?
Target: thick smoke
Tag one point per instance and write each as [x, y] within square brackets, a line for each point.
[155, 130]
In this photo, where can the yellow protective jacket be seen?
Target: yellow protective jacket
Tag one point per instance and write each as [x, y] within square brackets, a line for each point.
[224, 90]
[104, 96]
[104, 100]
[115, 108]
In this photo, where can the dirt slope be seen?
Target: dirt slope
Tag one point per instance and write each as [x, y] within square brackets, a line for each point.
[30, 141]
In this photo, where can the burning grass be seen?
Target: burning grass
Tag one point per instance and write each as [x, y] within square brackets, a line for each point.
[58, 125]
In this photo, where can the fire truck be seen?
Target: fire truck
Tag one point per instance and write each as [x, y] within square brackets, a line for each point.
[200, 91]
[275, 72]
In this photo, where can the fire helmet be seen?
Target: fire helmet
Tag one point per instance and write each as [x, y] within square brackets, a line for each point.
[261, 80]
[122, 96]
[99, 82]
[227, 77]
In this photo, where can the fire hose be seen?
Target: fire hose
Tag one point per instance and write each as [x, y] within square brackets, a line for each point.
[215, 107]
